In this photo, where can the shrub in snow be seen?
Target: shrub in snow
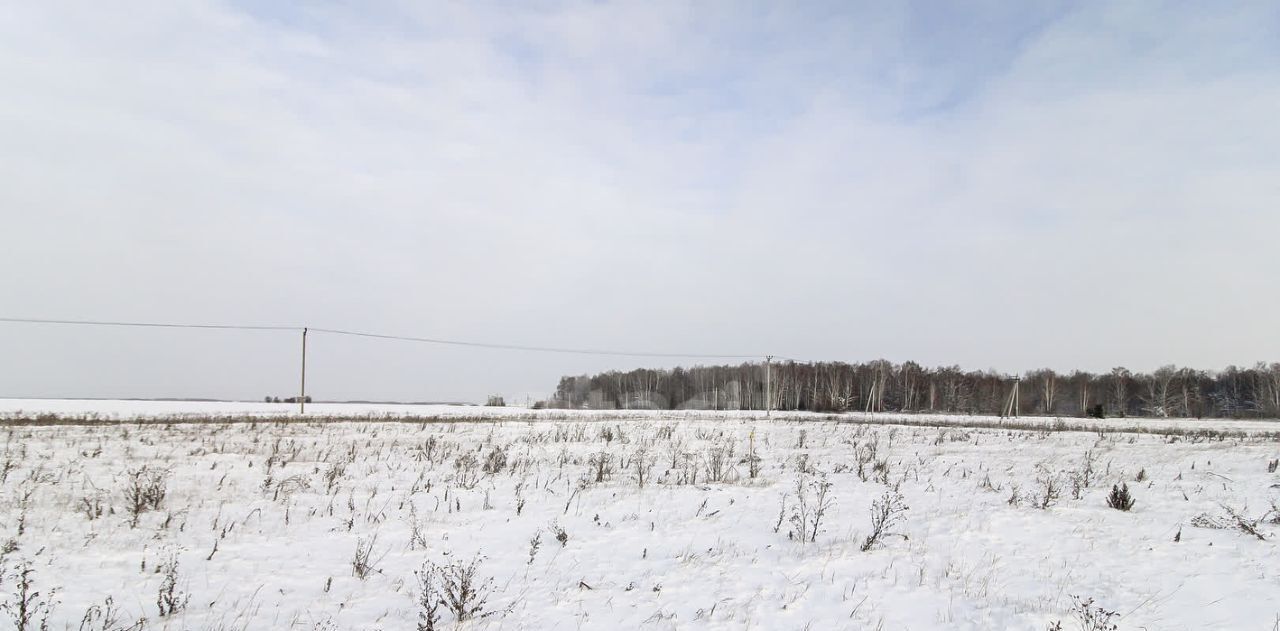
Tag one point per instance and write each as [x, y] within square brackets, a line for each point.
[457, 586]
[601, 464]
[1091, 617]
[752, 460]
[1273, 516]
[675, 452]
[28, 608]
[332, 475]
[642, 461]
[782, 513]
[91, 507]
[1050, 489]
[561, 535]
[813, 500]
[1015, 495]
[880, 471]
[362, 563]
[9, 465]
[865, 454]
[1085, 476]
[1244, 524]
[520, 499]
[886, 512]
[106, 617]
[535, 543]
[428, 598]
[717, 458]
[1119, 498]
[290, 485]
[466, 471]
[170, 599]
[496, 461]
[1233, 519]
[144, 490]
[1205, 520]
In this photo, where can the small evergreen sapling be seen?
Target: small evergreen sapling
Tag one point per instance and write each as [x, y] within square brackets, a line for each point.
[1120, 499]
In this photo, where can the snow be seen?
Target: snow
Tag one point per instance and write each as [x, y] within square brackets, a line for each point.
[128, 410]
[670, 555]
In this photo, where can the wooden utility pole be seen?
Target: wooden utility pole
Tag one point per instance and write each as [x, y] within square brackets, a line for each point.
[302, 396]
[768, 389]
[1012, 404]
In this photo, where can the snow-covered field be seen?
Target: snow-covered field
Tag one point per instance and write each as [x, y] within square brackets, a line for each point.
[265, 520]
[89, 410]
[134, 409]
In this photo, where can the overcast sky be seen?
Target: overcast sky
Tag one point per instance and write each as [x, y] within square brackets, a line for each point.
[1013, 185]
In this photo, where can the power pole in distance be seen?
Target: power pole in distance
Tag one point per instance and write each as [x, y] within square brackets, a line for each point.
[768, 386]
[302, 396]
[1012, 403]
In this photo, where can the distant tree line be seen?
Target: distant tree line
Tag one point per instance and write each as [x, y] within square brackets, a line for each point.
[306, 399]
[879, 386]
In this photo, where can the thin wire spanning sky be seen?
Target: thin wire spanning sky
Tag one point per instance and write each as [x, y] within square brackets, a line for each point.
[1073, 185]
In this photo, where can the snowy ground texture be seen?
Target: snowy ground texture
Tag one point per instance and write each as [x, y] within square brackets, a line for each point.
[265, 521]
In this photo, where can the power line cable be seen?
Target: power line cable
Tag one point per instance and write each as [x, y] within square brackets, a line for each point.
[405, 338]
[162, 325]
[538, 349]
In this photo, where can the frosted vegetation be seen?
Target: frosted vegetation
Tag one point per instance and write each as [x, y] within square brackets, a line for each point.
[647, 522]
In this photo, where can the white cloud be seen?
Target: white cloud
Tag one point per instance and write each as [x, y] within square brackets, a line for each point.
[1078, 187]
